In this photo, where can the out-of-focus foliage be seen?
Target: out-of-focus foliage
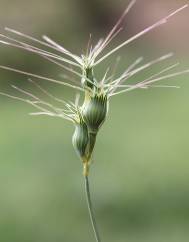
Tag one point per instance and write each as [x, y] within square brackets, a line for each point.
[140, 175]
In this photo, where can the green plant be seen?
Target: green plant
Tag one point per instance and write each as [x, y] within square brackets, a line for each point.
[88, 116]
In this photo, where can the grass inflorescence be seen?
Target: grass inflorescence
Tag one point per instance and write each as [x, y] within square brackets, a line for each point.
[89, 114]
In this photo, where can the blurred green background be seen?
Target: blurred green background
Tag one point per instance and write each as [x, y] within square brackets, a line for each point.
[140, 175]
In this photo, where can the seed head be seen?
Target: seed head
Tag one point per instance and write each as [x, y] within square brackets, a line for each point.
[94, 110]
[88, 117]
[80, 139]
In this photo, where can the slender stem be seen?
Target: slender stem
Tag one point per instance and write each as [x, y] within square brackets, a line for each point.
[90, 208]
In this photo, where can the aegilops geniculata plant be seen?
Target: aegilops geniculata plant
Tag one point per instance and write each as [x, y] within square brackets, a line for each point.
[91, 114]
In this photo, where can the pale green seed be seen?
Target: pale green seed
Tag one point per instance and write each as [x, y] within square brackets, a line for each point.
[80, 140]
[94, 111]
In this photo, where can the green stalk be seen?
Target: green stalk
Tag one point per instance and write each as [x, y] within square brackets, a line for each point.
[91, 211]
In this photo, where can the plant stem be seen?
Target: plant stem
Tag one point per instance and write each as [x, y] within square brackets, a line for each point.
[90, 208]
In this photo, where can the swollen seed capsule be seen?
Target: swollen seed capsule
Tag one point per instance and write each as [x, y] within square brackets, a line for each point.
[94, 111]
[80, 139]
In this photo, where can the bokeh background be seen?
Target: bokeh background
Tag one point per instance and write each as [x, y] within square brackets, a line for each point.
[140, 174]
